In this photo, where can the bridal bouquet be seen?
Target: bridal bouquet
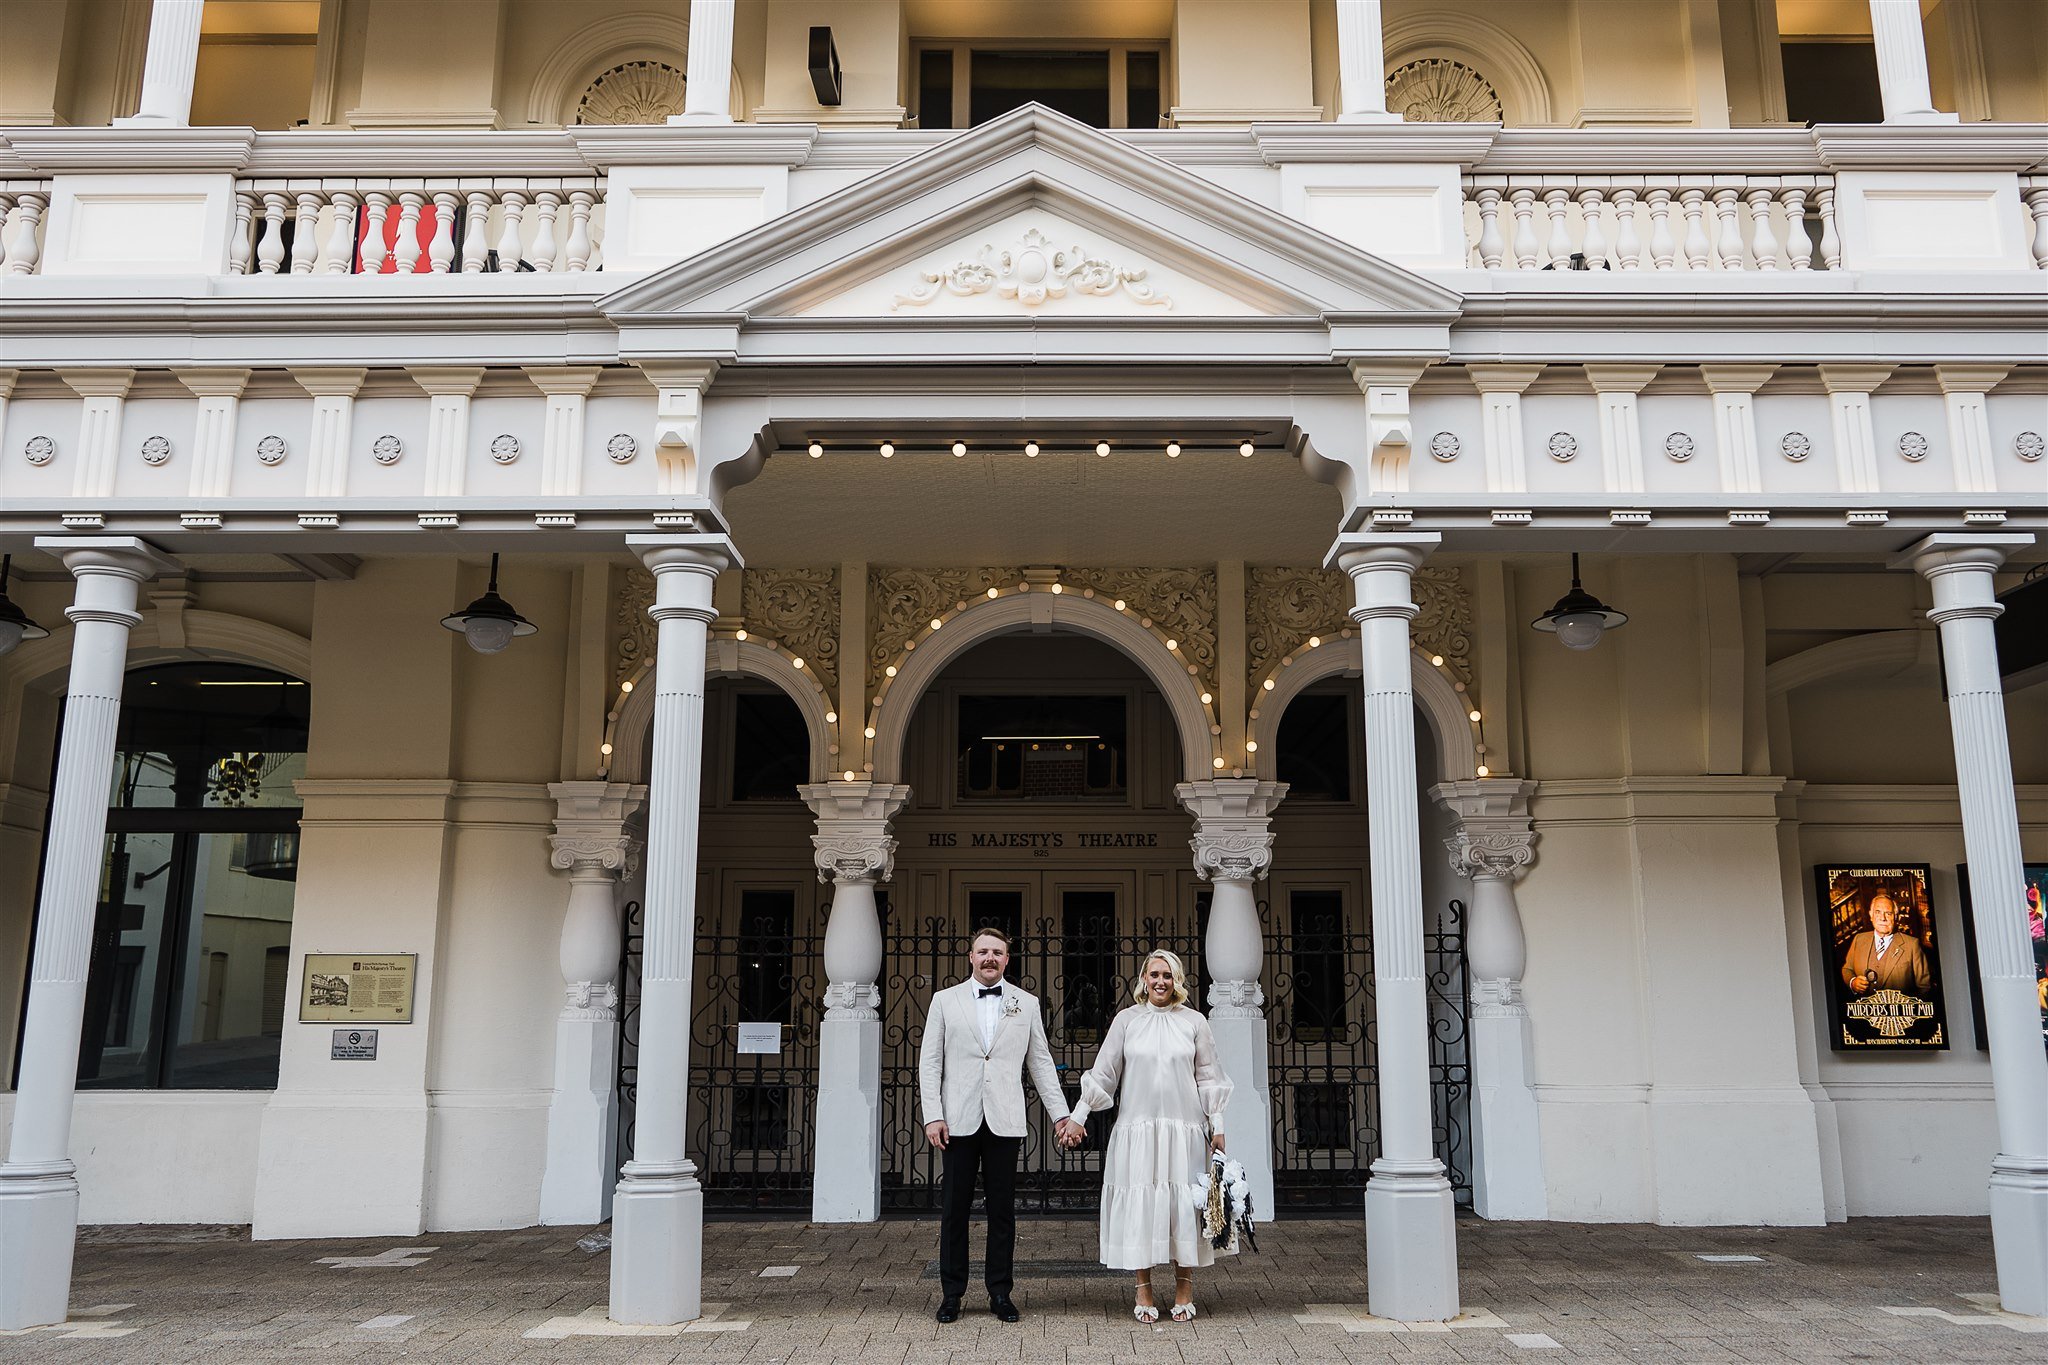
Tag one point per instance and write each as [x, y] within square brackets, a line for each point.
[1224, 1204]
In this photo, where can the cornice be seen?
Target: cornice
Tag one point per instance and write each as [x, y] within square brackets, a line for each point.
[1282, 143]
[731, 144]
[1635, 151]
[388, 152]
[131, 150]
[1935, 147]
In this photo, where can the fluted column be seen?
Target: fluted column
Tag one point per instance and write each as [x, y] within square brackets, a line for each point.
[592, 844]
[707, 83]
[658, 1210]
[1959, 568]
[853, 850]
[1902, 63]
[38, 1183]
[1361, 64]
[1493, 847]
[1411, 1263]
[1233, 848]
[169, 64]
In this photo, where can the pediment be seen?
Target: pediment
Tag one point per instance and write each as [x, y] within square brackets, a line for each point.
[1033, 217]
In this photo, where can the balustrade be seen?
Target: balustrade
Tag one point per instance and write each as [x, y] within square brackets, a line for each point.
[22, 206]
[1651, 222]
[2034, 191]
[408, 227]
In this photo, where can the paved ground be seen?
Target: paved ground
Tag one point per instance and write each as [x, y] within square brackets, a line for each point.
[784, 1292]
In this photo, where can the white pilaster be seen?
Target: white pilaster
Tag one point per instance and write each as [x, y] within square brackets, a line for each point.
[1233, 848]
[1621, 428]
[38, 1183]
[591, 843]
[707, 84]
[1411, 1245]
[853, 850]
[1361, 64]
[1959, 568]
[99, 428]
[1735, 444]
[1969, 428]
[1492, 847]
[170, 65]
[561, 449]
[1902, 63]
[1500, 395]
[658, 1211]
[334, 400]
[213, 434]
[1849, 388]
[449, 390]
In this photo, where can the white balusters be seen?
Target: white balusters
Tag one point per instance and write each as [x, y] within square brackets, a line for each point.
[1491, 247]
[578, 247]
[405, 253]
[1798, 242]
[306, 233]
[1830, 239]
[512, 210]
[376, 209]
[1663, 246]
[1559, 247]
[1594, 234]
[341, 235]
[1728, 236]
[546, 204]
[242, 246]
[1763, 243]
[441, 251]
[270, 250]
[2037, 205]
[1692, 202]
[1628, 246]
[476, 220]
[21, 218]
[1525, 228]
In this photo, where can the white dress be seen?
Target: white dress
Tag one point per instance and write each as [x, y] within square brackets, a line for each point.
[1173, 1095]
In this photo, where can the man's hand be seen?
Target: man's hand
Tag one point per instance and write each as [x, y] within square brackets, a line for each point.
[1859, 984]
[1069, 1133]
[936, 1133]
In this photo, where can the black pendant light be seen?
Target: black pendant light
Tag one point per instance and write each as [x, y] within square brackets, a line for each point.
[489, 623]
[1579, 619]
[15, 625]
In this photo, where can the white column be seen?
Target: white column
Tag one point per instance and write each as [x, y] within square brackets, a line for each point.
[561, 450]
[327, 445]
[658, 1210]
[169, 65]
[213, 433]
[707, 84]
[1500, 395]
[449, 391]
[1411, 1259]
[1958, 568]
[1735, 441]
[1902, 63]
[99, 428]
[1621, 427]
[1361, 64]
[1971, 455]
[853, 850]
[1849, 388]
[1233, 847]
[1493, 847]
[592, 845]
[38, 1183]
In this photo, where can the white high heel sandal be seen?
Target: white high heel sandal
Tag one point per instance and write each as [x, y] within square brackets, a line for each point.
[1147, 1313]
[1183, 1312]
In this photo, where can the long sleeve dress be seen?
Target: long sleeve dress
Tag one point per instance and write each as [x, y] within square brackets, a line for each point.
[1173, 1095]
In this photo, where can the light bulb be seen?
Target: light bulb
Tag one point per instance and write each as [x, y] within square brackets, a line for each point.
[1315, 642]
[490, 634]
[1173, 450]
[739, 635]
[936, 623]
[1207, 698]
[831, 717]
[1245, 449]
[1472, 716]
[993, 593]
[1217, 763]
[1437, 659]
[1119, 604]
[1031, 449]
[1173, 644]
[1251, 746]
[888, 449]
[959, 449]
[626, 686]
[849, 774]
[1580, 629]
[1482, 770]
[869, 732]
[797, 662]
[890, 670]
[1057, 589]
[1269, 684]
[1102, 447]
[815, 450]
[605, 749]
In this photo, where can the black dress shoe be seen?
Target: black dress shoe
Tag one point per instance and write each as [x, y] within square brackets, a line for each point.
[949, 1310]
[1003, 1308]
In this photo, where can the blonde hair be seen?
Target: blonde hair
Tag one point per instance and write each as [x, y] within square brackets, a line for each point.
[1180, 977]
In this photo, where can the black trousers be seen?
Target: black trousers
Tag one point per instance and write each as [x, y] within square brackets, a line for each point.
[995, 1160]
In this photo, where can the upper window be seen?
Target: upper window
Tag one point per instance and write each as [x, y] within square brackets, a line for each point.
[1830, 62]
[1314, 746]
[192, 934]
[1047, 749]
[962, 85]
[771, 747]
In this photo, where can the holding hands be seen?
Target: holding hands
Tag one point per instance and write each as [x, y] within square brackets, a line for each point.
[1069, 1133]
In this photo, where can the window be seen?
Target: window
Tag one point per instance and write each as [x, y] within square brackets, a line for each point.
[1831, 82]
[192, 936]
[963, 85]
[767, 920]
[1317, 965]
[255, 64]
[1313, 750]
[1044, 749]
[771, 747]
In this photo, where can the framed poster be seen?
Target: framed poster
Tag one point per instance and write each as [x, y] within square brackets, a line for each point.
[2034, 886]
[342, 988]
[1878, 953]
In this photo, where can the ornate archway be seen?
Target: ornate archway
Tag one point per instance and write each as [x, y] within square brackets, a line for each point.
[1436, 696]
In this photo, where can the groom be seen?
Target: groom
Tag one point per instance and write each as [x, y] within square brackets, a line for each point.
[970, 1069]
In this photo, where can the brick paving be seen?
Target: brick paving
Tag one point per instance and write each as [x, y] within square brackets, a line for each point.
[866, 1294]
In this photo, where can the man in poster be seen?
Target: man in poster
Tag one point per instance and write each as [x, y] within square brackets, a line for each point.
[1881, 960]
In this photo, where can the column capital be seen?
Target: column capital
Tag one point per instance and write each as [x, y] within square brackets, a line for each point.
[120, 556]
[98, 383]
[447, 381]
[705, 552]
[1477, 851]
[1233, 838]
[1502, 378]
[1742, 379]
[1969, 378]
[1621, 378]
[214, 383]
[553, 380]
[1853, 378]
[590, 826]
[853, 843]
[325, 382]
[1947, 552]
[1362, 552]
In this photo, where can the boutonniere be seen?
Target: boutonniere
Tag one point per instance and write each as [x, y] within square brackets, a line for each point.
[1010, 1004]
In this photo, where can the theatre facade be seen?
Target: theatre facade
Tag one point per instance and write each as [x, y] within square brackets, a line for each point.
[1543, 612]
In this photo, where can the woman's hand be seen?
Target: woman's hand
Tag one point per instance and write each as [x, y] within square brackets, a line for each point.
[1215, 1143]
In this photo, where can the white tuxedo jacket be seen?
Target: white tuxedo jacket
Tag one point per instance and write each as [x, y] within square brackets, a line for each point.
[968, 1086]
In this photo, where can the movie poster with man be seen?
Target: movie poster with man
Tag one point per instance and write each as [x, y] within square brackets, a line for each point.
[1883, 971]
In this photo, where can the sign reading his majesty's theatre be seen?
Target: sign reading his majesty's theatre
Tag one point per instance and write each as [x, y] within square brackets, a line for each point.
[1878, 955]
[343, 988]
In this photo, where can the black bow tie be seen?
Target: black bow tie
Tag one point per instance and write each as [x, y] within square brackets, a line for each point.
[988, 991]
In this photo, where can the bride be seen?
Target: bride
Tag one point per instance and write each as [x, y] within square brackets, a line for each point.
[1163, 1055]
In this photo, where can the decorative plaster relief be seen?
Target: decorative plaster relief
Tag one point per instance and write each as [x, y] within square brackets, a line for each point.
[40, 450]
[635, 627]
[156, 450]
[1445, 446]
[1679, 446]
[632, 92]
[2029, 446]
[271, 450]
[1438, 90]
[902, 603]
[1284, 607]
[1913, 447]
[1180, 601]
[505, 449]
[386, 450]
[799, 610]
[1563, 446]
[1032, 272]
[1795, 446]
[622, 448]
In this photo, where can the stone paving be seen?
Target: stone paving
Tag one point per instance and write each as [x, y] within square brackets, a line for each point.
[778, 1293]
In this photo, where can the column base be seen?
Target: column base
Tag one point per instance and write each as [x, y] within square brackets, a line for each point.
[1248, 1118]
[847, 1181]
[1411, 1248]
[38, 1228]
[1507, 1147]
[576, 1186]
[2019, 1233]
[657, 1245]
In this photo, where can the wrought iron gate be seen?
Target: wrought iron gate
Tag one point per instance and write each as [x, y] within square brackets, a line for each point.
[752, 1117]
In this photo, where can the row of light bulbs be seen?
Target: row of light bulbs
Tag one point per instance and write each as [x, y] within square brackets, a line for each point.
[1031, 449]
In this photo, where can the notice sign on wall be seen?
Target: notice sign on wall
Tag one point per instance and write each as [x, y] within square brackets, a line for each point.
[344, 988]
[353, 1045]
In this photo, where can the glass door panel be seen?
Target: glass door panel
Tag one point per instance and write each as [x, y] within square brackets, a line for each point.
[237, 924]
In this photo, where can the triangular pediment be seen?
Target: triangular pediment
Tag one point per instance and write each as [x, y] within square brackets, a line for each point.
[1033, 217]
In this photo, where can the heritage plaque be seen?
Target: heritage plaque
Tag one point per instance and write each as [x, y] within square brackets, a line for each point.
[2034, 891]
[342, 988]
[1878, 955]
[353, 1045]
[764, 1038]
